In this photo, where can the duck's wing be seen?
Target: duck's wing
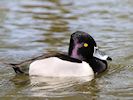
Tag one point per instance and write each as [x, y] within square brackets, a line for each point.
[22, 67]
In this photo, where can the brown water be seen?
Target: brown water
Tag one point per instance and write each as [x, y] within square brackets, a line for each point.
[29, 28]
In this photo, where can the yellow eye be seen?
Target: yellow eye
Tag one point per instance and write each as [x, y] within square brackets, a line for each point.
[85, 45]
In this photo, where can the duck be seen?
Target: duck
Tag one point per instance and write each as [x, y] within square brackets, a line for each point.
[84, 59]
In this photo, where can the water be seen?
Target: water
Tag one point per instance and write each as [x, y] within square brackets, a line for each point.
[32, 27]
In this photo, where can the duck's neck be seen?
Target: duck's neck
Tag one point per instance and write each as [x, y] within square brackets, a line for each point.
[74, 53]
[97, 65]
[74, 49]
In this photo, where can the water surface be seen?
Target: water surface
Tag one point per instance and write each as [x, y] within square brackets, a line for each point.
[29, 28]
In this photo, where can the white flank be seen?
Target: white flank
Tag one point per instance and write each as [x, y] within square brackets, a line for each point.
[55, 67]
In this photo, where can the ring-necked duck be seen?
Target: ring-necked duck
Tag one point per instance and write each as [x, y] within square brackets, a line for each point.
[83, 59]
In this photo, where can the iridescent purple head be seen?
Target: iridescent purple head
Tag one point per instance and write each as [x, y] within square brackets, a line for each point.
[83, 47]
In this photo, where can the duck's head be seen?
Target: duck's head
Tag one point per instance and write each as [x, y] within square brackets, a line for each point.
[83, 47]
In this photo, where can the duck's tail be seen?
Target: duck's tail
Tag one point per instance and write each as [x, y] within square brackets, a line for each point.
[16, 68]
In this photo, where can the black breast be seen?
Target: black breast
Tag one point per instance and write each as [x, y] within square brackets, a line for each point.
[98, 65]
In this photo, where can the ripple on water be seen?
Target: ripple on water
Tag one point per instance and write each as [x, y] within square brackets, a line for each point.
[31, 27]
[50, 86]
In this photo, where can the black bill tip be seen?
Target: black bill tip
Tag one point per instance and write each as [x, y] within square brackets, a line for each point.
[109, 58]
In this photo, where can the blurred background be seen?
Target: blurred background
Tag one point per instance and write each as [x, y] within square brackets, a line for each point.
[29, 28]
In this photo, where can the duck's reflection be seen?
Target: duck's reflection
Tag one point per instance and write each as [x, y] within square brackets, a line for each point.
[55, 86]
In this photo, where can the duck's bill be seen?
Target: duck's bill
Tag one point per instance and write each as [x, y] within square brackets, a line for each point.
[100, 55]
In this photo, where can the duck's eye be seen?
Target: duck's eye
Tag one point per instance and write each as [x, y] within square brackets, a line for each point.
[85, 44]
